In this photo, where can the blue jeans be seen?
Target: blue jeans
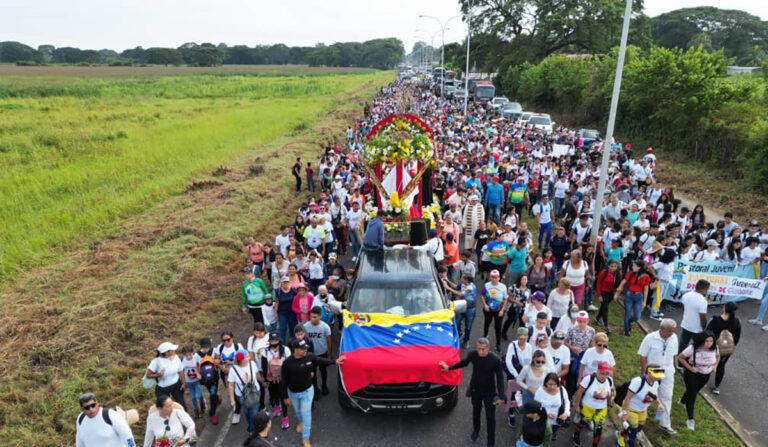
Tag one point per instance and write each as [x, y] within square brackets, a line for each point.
[763, 306]
[249, 413]
[285, 323]
[545, 229]
[302, 404]
[521, 443]
[355, 242]
[467, 317]
[494, 213]
[195, 393]
[558, 204]
[633, 305]
[527, 396]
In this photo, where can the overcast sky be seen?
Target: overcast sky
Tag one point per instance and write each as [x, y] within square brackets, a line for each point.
[97, 24]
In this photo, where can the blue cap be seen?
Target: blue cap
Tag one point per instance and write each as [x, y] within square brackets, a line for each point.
[432, 233]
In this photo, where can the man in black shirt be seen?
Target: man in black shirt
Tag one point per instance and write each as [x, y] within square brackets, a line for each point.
[296, 379]
[486, 387]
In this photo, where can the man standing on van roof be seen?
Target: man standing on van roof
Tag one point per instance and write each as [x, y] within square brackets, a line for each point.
[373, 239]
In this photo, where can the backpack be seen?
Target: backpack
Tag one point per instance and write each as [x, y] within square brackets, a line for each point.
[592, 378]
[530, 332]
[104, 415]
[726, 343]
[623, 389]
[326, 315]
[274, 369]
[249, 392]
[616, 277]
[207, 370]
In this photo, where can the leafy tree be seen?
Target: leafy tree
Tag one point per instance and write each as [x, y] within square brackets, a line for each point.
[207, 56]
[164, 56]
[137, 55]
[735, 32]
[15, 51]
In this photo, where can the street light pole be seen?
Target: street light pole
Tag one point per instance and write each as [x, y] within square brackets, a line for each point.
[608, 142]
[466, 71]
[443, 27]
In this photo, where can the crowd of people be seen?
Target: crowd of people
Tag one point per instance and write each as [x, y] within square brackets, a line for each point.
[493, 177]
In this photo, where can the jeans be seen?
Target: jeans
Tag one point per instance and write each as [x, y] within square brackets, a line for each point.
[310, 184]
[545, 228]
[467, 317]
[521, 443]
[195, 393]
[527, 396]
[763, 306]
[249, 413]
[633, 308]
[355, 242]
[494, 213]
[558, 204]
[285, 323]
[302, 404]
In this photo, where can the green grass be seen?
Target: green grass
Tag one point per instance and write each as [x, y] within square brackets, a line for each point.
[77, 154]
[91, 320]
[710, 429]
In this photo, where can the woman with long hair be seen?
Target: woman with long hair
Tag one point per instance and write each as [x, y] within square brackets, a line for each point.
[637, 281]
[727, 330]
[732, 252]
[577, 272]
[697, 216]
[699, 360]
[538, 275]
[518, 297]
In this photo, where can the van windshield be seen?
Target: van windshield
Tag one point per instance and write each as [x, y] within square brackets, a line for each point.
[399, 299]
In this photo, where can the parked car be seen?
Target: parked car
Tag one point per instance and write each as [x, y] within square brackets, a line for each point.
[525, 117]
[498, 102]
[542, 122]
[589, 136]
[512, 111]
[460, 93]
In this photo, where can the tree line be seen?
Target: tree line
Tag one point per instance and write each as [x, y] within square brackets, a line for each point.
[376, 53]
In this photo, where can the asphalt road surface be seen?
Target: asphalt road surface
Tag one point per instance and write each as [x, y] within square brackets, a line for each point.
[334, 426]
[743, 389]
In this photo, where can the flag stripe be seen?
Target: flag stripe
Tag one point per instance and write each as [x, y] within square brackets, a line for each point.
[429, 334]
[380, 319]
[401, 364]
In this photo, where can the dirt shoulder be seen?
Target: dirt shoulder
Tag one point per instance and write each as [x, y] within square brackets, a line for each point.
[91, 321]
[717, 190]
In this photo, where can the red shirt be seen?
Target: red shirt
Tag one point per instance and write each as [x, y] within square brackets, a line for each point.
[636, 284]
[606, 282]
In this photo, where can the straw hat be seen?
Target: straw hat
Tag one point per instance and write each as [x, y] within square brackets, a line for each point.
[656, 247]
[131, 416]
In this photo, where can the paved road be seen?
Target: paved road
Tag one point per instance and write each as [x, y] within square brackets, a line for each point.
[334, 426]
[743, 389]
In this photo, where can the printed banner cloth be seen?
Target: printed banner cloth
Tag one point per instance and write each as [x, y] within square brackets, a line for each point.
[729, 282]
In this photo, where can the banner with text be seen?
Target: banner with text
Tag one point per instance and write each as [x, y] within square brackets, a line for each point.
[728, 281]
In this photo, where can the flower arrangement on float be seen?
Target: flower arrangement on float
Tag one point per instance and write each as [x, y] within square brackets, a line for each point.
[399, 139]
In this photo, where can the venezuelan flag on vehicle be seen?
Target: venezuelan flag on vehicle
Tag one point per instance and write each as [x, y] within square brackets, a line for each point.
[386, 348]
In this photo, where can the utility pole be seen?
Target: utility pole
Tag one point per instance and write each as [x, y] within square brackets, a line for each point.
[608, 142]
[466, 71]
[443, 27]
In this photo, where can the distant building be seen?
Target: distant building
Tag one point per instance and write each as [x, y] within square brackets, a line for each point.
[732, 69]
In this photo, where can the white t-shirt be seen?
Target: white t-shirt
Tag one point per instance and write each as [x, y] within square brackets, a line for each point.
[564, 324]
[559, 304]
[560, 188]
[256, 344]
[591, 358]
[247, 374]
[283, 242]
[552, 403]
[190, 369]
[544, 212]
[172, 369]
[640, 401]
[560, 356]
[95, 432]
[750, 255]
[354, 218]
[314, 236]
[596, 396]
[694, 304]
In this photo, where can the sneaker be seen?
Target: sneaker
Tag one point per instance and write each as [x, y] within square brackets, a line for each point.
[576, 440]
[235, 418]
[305, 443]
[203, 407]
[354, 259]
[656, 316]
[498, 348]
[299, 427]
[591, 425]
[474, 435]
[690, 425]
[214, 420]
[324, 392]
[755, 322]
[592, 308]
[620, 439]
[765, 328]
[511, 420]
[627, 332]
[466, 344]
[716, 390]
[284, 425]
[668, 430]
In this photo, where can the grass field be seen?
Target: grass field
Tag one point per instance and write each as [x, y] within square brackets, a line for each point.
[91, 318]
[78, 153]
[270, 70]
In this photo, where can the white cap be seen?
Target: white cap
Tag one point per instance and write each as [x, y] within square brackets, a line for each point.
[166, 346]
